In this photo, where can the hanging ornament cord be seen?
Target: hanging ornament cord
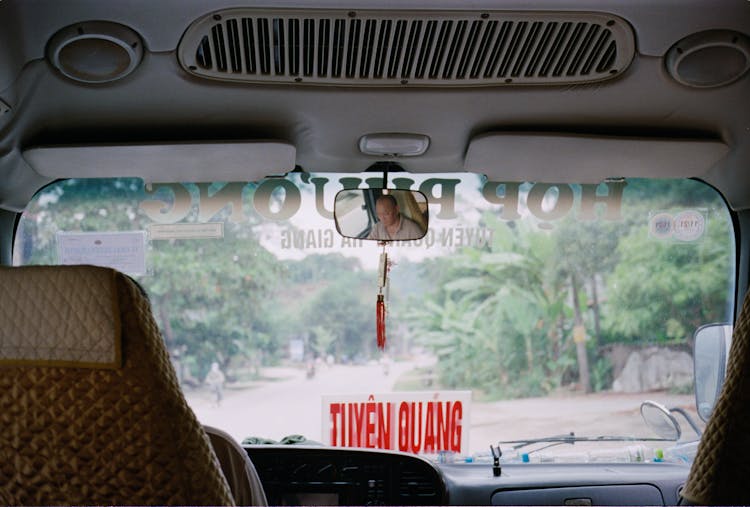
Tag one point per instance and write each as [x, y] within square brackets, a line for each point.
[380, 305]
[380, 316]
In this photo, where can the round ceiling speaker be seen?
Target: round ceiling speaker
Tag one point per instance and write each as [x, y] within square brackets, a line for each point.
[709, 59]
[95, 51]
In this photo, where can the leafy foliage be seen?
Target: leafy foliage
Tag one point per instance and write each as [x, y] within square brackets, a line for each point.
[663, 291]
[502, 320]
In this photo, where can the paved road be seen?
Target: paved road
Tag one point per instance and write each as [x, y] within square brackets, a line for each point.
[291, 404]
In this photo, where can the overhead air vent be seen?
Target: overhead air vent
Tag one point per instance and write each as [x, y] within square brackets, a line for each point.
[95, 52]
[709, 59]
[378, 48]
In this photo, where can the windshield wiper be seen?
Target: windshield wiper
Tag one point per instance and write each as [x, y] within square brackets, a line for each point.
[571, 439]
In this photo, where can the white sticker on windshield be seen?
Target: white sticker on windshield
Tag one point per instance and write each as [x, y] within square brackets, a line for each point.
[681, 226]
[660, 225]
[123, 251]
[689, 225]
[210, 230]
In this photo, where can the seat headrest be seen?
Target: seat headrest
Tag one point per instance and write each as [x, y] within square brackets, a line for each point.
[59, 316]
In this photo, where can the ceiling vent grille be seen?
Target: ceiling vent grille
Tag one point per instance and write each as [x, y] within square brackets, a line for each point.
[374, 48]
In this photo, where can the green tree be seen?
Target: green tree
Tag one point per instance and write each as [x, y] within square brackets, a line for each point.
[495, 322]
[212, 297]
[663, 290]
[328, 301]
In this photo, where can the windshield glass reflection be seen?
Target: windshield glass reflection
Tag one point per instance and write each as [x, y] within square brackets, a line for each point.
[525, 311]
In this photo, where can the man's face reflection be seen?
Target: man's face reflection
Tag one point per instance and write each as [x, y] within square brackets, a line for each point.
[387, 211]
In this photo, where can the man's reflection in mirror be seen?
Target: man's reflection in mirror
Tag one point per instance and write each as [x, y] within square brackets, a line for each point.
[392, 224]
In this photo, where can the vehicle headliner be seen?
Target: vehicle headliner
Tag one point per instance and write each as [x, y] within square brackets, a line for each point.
[161, 103]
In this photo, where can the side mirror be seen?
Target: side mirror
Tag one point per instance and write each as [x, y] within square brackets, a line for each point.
[710, 355]
[660, 420]
[381, 214]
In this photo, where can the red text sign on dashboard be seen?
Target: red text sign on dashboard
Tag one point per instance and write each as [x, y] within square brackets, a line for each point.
[427, 422]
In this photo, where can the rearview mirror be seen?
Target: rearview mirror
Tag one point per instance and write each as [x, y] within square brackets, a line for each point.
[710, 355]
[381, 214]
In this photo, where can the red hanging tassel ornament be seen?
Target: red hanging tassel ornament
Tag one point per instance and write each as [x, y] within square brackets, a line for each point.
[380, 321]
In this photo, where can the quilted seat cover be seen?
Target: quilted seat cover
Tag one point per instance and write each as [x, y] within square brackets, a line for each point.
[120, 433]
[721, 470]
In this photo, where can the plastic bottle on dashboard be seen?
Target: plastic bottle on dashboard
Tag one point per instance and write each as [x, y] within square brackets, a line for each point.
[627, 454]
[640, 453]
[481, 457]
[681, 453]
[577, 457]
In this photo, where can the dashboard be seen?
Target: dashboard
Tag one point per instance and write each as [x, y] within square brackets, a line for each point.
[566, 484]
[307, 475]
[295, 475]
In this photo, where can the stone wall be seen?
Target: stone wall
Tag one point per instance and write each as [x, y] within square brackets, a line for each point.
[652, 369]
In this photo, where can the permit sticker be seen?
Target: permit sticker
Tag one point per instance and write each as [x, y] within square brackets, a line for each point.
[210, 230]
[423, 422]
[681, 226]
[660, 225]
[123, 251]
[689, 225]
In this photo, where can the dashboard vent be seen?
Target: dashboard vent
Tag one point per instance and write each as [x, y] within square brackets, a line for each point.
[415, 485]
[378, 48]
